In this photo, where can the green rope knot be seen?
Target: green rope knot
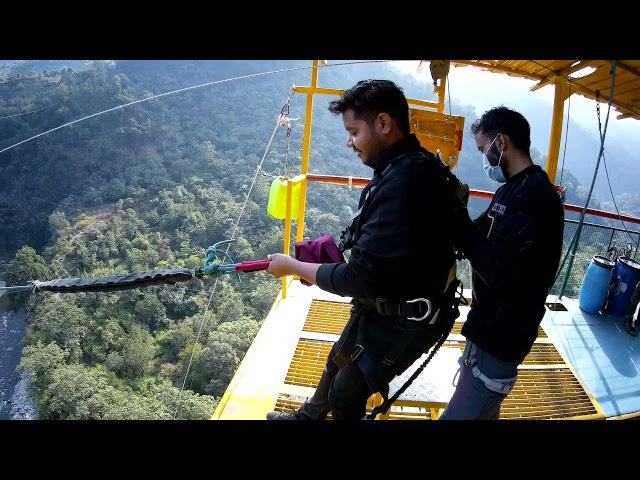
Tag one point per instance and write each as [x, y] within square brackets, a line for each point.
[215, 257]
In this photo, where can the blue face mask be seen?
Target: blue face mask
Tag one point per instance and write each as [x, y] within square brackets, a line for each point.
[494, 172]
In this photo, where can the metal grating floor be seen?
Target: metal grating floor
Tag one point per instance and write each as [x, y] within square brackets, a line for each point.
[546, 394]
[308, 363]
[540, 392]
[327, 317]
[287, 404]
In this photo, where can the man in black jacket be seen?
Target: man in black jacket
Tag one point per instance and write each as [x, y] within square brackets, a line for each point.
[514, 248]
[401, 249]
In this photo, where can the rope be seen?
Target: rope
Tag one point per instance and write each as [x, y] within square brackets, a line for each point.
[285, 121]
[233, 235]
[266, 174]
[18, 288]
[32, 111]
[182, 90]
[576, 237]
[606, 171]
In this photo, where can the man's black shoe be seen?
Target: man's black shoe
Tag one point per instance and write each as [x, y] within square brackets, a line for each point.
[282, 416]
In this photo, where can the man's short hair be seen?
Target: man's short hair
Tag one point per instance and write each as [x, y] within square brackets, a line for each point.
[506, 121]
[369, 98]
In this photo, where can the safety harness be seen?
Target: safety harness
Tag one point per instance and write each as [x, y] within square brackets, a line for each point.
[498, 385]
[412, 316]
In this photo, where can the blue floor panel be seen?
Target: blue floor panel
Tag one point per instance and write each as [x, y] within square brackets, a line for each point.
[604, 356]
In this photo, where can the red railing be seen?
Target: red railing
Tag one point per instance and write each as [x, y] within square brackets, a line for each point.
[362, 182]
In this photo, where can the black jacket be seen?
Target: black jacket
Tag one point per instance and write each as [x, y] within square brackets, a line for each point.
[514, 248]
[405, 246]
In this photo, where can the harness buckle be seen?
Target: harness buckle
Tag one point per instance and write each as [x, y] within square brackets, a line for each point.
[427, 302]
[357, 352]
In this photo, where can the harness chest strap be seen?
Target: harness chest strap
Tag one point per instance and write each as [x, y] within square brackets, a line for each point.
[350, 234]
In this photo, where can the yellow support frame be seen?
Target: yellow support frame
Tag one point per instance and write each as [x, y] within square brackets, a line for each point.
[440, 91]
[561, 94]
[337, 92]
[306, 149]
[286, 248]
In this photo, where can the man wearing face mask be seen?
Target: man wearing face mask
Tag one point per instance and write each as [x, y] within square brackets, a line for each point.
[514, 249]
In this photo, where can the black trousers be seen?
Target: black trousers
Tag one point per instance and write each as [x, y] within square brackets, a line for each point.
[343, 391]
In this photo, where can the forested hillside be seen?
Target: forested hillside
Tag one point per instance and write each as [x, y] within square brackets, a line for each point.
[151, 186]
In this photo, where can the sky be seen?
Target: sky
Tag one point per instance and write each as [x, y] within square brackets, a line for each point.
[464, 84]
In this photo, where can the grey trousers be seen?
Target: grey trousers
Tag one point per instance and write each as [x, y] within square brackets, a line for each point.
[472, 400]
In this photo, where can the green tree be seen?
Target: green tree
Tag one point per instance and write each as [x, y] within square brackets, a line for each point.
[41, 361]
[228, 303]
[80, 393]
[262, 296]
[173, 341]
[135, 358]
[27, 265]
[151, 312]
[59, 320]
[190, 405]
[217, 364]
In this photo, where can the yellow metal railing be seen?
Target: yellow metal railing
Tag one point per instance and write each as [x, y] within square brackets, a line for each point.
[287, 233]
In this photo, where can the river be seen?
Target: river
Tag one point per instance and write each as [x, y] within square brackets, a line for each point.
[15, 402]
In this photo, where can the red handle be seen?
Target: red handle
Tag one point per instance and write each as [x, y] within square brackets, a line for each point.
[253, 265]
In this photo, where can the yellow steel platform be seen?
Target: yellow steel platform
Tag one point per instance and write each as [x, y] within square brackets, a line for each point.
[284, 364]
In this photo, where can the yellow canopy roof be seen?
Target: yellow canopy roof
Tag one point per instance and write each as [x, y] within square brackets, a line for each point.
[627, 88]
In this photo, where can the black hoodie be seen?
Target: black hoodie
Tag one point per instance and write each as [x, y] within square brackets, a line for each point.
[514, 248]
[405, 246]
